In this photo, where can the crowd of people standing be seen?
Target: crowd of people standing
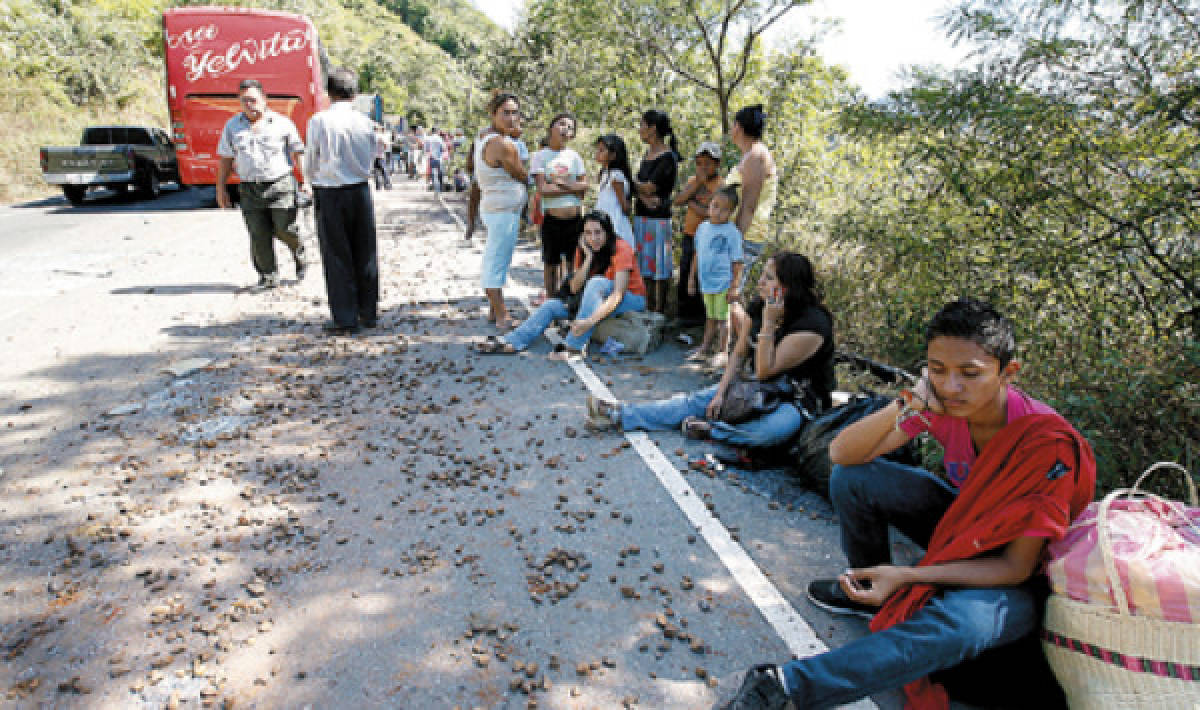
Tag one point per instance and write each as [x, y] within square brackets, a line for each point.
[551, 185]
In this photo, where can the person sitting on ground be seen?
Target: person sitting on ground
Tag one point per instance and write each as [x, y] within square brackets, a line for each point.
[785, 336]
[1016, 475]
[460, 180]
[718, 248]
[607, 280]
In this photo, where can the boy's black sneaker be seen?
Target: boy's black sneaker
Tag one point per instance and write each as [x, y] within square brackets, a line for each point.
[828, 594]
[761, 689]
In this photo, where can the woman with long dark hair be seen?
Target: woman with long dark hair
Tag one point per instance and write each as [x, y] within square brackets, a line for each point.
[653, 184]
[787, 331]
[501, 176]
[612, 197]
[607, 281]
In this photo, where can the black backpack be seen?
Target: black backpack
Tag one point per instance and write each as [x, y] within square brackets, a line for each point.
[808, 456]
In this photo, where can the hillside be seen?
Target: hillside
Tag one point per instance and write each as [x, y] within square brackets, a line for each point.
[414, 53]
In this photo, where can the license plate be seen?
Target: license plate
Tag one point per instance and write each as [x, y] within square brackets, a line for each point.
[76, 179]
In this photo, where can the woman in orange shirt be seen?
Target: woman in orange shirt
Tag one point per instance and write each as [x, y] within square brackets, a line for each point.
[606, 278]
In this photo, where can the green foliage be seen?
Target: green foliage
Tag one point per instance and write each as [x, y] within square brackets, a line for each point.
[1058, 180]
[456, 26]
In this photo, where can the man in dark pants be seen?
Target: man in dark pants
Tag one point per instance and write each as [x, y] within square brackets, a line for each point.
[341, 151]
[258, 142]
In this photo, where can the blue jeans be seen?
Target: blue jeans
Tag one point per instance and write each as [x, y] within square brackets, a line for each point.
[871, 496]
[435, 174]
[955, 626]
[595, 291]
[958, 624]
[770, 429]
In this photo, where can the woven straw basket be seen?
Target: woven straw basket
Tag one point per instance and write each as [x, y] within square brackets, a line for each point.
[1113, 659]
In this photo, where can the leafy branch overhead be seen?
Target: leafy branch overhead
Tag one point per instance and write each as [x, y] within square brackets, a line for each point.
[710, 43]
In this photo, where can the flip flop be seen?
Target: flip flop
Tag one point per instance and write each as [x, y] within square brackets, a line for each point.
[510, 324]
[562, 353]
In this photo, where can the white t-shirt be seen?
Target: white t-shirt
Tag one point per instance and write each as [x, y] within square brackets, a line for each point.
[436, 147]
[607, 202]
[560, 165]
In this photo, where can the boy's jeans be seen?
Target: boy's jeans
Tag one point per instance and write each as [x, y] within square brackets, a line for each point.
[956, 625]
[595, 292]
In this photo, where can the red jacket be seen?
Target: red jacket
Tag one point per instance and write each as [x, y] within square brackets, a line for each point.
[1031, 480]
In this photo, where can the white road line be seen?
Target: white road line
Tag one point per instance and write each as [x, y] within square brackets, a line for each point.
[778, 612]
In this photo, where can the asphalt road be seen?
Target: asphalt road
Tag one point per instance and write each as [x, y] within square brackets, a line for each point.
[385, 520]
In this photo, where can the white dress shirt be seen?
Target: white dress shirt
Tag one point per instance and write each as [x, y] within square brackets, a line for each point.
[341, 146]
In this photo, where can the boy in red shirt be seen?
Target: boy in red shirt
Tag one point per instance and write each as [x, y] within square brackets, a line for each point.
[1017, 475]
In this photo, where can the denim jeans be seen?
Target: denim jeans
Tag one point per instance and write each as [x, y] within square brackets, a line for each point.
[502, 232]
[770, 429]
[955, 626]
[958, 624]
[595, 291]
[435, 174]
[871, 496]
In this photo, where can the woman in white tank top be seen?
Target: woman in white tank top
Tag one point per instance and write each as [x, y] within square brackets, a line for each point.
[502, 178]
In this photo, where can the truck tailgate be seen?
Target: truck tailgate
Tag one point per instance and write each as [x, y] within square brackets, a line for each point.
[87, 165]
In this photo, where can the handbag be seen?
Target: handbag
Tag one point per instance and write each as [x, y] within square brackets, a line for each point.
[746, 399]
[569, 297]
[1121, 628]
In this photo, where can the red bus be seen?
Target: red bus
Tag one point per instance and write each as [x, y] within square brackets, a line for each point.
[209, 50]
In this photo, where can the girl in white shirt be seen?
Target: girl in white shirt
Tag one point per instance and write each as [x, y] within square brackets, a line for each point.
[613, 195]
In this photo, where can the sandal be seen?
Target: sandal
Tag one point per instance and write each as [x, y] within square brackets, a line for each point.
[562, 353]
[508, 325]
[492, 345]
[602, 415]
[695, 428]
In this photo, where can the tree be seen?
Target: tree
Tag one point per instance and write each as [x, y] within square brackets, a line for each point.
[1059, 178]
[710, 43]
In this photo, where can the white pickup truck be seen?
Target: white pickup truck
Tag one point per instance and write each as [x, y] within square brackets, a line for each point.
[117, 157]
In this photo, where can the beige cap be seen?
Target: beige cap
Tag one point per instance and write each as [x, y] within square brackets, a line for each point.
[711, 149]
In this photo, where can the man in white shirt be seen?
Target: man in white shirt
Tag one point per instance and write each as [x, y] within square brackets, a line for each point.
[258, 143]
[435, 147]
[341, 152]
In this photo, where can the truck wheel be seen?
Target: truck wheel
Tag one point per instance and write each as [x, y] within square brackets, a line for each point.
[151, 188]
[75, 193]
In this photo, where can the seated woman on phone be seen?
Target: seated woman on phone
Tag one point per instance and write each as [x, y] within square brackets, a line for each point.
[604, 282]
[784, 337]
